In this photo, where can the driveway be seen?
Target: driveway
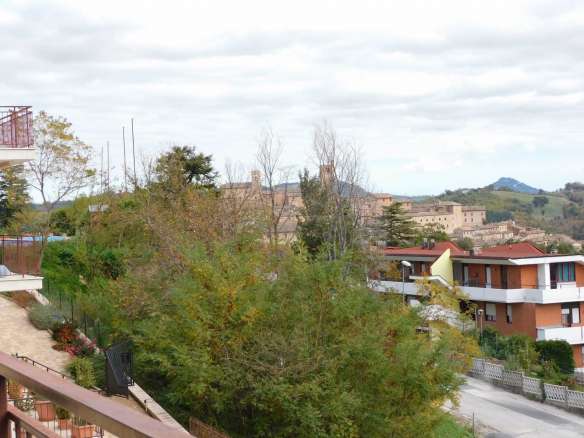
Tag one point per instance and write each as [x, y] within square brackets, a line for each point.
[511, 415]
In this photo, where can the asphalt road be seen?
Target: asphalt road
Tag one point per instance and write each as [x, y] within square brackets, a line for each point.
[504, 414]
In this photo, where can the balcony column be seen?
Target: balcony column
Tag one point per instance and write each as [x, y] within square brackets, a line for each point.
[4, 423]
[543, 276]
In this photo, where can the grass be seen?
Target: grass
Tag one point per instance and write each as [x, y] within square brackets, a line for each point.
[551, 210]
[450, 428]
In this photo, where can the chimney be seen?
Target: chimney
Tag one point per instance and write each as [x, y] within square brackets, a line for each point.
[475, 251]
[432, 244]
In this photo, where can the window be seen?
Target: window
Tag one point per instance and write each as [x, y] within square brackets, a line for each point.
[490, 312]
[509, 314]
[570, 314]
[565, 272]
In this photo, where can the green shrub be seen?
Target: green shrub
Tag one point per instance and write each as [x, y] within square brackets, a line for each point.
[98, 363]
[45, 317]
[82, 371]
[558, 352]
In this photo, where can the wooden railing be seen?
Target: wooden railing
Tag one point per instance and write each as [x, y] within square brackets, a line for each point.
[113, 417]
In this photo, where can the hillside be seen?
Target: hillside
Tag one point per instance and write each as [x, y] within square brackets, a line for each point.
[511, 184]
[555, 213]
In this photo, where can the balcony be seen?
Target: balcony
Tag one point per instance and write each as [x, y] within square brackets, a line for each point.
[495, 295]
[16, 135]
[20, 258]
[573, 335]
[96, 414]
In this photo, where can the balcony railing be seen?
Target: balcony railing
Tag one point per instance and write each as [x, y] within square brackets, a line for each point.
[50, 395]
[20, 255]
[16, 127]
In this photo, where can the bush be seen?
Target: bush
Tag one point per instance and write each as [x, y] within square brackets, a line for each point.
[558, 352]
[81, 369]
[22, 298]
[98, 362]
[45, 317]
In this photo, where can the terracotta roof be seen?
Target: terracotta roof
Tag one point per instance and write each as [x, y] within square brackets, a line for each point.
[436, 251]
[512, 251]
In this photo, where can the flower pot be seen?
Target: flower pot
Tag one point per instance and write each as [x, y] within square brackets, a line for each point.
[64, 423]
[82, 431]
[45, 410]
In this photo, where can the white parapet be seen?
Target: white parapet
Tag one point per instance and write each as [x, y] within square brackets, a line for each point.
[14, 156]
[12, 283]
[564, 294]
[572, 335]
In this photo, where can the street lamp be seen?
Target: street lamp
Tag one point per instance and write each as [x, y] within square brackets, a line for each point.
[405, 264]
[480, 321]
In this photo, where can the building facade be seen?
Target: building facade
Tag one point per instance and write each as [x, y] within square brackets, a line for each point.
[255, 197]
[517, 287]
[449, 215]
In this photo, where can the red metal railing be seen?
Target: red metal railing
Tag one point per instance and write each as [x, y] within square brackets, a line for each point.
[20, 255]
[16, 127]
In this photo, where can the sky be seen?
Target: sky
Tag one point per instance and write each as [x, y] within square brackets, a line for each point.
[437, 94]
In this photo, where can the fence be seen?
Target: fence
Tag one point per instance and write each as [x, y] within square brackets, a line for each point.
[73, 310]
[517, 381]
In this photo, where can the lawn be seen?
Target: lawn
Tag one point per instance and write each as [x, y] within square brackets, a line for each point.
[450, 428]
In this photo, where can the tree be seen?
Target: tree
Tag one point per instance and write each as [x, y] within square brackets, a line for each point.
[433, 232]
[340, 177]
[540, 201]
[275, 176]
[398, 229]
[183, 166]
[61, 169]
[465, 243]
[314, 217]
[13, 194]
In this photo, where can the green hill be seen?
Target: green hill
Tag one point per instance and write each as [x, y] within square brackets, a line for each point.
[551, 212]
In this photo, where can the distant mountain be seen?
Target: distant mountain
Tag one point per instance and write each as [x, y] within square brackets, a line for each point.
[513, 185]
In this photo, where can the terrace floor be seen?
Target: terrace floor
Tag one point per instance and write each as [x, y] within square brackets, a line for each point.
[18, 335]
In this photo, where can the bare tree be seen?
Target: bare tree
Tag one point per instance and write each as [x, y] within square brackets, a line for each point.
[61, 169]
[241, 200]
[276, 179]
[343, 177]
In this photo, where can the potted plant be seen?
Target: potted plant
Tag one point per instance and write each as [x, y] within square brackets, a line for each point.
[25, 404]
[81, 428]
[15, 390]
[45, 410]
[63, 417]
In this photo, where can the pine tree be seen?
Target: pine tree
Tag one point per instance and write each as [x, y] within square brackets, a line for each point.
[13, 193]
[397, 228]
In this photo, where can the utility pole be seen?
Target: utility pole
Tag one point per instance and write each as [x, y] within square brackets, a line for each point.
[134, 155]
[108, 166]
[125, 166]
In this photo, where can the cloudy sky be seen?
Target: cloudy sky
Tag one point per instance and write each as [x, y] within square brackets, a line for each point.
[438, 94]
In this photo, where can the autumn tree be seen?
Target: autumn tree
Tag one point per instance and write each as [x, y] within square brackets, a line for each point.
[62, 168]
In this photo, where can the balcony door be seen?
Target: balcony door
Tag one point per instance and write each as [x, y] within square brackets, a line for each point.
[503, 271]
[488, 276]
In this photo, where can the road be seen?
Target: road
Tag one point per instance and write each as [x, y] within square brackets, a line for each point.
[511, 415]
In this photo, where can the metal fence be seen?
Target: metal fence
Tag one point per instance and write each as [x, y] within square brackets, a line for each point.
[16, 127]
[560, 395]
[73, 310]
